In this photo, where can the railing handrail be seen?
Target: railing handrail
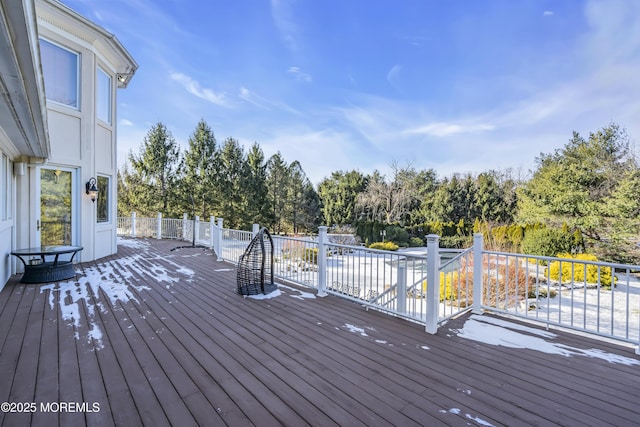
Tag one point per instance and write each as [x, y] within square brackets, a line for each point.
[573, 260]
[456, 258]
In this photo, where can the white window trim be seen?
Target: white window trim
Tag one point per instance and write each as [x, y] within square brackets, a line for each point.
[99, 70]
[109, 191]
[78, 74]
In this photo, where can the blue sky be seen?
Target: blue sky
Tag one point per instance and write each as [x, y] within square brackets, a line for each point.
[457, 86]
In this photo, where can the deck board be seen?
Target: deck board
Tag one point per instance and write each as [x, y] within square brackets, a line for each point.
[177, 346]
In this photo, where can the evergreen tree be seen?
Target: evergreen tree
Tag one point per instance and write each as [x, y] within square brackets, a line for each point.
[200, 170]
[258, 203]
[585, 185]
[157, 165]
[426, 184]
[277, 182]
[338, 195]
[129, 184]
[303, 201]
[231, 179]
[311, 209]
[295, 194]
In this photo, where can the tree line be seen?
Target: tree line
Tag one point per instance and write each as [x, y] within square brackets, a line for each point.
[585, 194]
[222, 180]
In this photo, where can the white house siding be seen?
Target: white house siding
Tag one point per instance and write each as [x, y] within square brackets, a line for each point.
[80, 141]
[6, 235]
[106, 166]
[40, 133]
[6, 216]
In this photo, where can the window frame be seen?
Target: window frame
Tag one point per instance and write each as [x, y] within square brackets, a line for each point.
[101, 72]
[104, 199]
[78, 58]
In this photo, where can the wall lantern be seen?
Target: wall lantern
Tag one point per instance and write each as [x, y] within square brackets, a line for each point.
[91, 188]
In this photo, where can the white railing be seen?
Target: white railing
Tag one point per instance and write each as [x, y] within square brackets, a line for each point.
[296, 260]
[394, 282]
[594, 297]
[171, 228]
[456, 283]
[234, 242]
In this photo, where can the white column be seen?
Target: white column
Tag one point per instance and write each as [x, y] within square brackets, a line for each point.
[133, 224]
[477, 273]
[159, 226]
[256, 228]
[322, 261]
[219, 251]
[184, 226]
[401, 285]
[196, 229]
[212, 227]
[433, 284]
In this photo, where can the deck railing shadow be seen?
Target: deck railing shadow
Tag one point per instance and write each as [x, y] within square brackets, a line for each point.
[588, 296]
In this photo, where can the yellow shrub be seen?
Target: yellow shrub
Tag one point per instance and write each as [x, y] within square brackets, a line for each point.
[385, 246]
[606, 278]
[448, 285]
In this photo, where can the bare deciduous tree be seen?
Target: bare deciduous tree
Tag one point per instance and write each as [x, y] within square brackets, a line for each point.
[389, 201]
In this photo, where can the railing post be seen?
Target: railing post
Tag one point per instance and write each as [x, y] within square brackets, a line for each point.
[256, 228]
[219, 249]
[133, 224]
[212, 227]
[433, 284]
[322, 261]
[159, 226]
[184, 226]
[401, 288]
[196, 229]
[477, 273]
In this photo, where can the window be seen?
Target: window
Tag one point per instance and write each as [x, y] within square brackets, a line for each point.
[103, 96]
[61, 73]
[103, 199]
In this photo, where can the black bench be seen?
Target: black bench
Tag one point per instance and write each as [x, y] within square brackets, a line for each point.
[41, 270]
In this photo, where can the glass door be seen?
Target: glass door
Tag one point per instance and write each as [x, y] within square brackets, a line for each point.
[56, 217]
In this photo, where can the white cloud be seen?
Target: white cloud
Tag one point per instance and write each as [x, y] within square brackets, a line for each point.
[282, 14]
[299, 75]
[320, 152]
[442, 129]
[125, 122]
[548, 13]
[194, 88]
[264, 103]
[393, 74]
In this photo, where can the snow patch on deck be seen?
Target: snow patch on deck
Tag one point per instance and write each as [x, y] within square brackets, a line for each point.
[502, 333]
[113, 280]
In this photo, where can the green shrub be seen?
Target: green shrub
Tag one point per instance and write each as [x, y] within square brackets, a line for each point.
[311, 255]
[385, 246]
[455, 241]
[415, 242]
[579, 270]
[397, 234]
[547, 242]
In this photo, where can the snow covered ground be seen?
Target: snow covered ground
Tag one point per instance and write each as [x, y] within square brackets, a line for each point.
[614, 312]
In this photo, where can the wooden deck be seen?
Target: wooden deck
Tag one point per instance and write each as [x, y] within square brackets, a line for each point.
[158, 337]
